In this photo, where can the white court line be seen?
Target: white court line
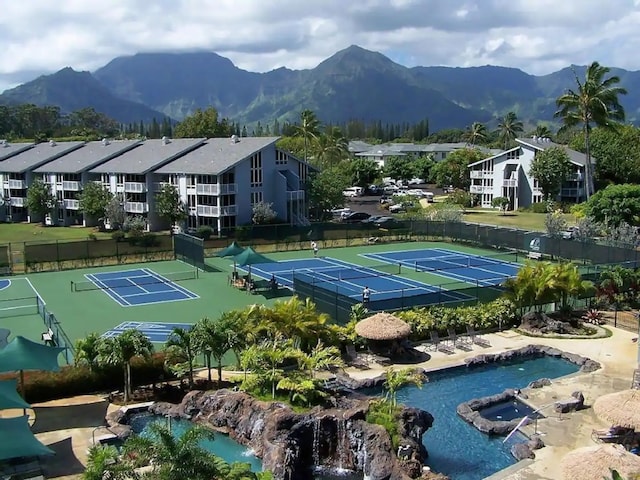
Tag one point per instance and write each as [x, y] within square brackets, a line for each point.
[172, 284]
[105, 288]
[8, 283]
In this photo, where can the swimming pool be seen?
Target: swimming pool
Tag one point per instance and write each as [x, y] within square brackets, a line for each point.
[456, 448]
[509, 410]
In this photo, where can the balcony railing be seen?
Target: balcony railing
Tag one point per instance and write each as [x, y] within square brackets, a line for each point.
[574, 177]
[71, 186]
[71, 204]
[572, 192]
[481, 174]
[15, 184]
[508, 182]
[135, 187]
[295, 195]
[215, 211]
[215, 189]
[478, 189]
[18, 201]
[136, 207]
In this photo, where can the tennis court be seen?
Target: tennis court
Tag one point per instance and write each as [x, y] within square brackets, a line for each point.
[348, 279]
[135, 287]
[467, 267]
[156, 332]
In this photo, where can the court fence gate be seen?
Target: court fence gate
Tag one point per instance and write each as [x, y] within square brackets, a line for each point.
[189, 249]
[60, 337]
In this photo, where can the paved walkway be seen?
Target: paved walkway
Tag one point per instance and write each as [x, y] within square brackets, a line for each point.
[67, 425]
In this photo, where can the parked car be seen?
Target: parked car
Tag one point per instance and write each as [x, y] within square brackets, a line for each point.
[385, 199]
[339, 212]
[372, 219]
[385, 222]
[400, 207]
[353, 192]
[416, 181]
[355, 217]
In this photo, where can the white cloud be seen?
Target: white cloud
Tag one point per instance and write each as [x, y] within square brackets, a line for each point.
[538, 36]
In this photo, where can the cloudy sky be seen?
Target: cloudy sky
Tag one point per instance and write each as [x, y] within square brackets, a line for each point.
[538, 36]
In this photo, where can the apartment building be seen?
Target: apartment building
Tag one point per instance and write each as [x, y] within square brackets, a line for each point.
[224, 178]
[67, 175]
[506, 174]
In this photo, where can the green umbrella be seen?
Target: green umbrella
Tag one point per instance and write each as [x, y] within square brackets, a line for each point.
[17, 439]
[251, 257]
[9, 397]
[231, 251]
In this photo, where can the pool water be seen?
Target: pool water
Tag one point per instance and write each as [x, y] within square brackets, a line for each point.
[509, 410]
[456, 448]
[221, 445]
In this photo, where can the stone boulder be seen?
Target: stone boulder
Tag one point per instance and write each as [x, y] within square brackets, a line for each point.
[576, 402]
[522, 451]
[470, 412]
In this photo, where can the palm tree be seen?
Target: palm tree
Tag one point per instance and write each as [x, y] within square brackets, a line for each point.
[595, 102]
[183, 344]
[103, 462]
[308, 129]
[122, 349]
[177, 458]
[297, 319]
[542, 131]
[509, 128]
[569, 283]
[476, 133]
[320, 358]
[216, 338]
[332, 147]
[88, 350]
[394, 380]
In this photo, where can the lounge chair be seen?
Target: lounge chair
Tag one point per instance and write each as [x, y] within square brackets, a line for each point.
[459, 342]
[477, 339]
[439, 345]
[613, 435]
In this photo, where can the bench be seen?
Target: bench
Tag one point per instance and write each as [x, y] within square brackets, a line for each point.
[534, 255]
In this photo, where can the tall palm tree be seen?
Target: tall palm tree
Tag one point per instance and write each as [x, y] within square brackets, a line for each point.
[476, 133]
[332, 147]
[88, 350]
[542, 131]
[122, 349]
[184, 344]
[180, 458]
[509, 128]
[217, 337]
[394, 380]
[297, 319]
[309, 129]
[595, 102]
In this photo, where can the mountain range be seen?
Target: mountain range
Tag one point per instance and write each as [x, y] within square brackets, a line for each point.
[353, 84]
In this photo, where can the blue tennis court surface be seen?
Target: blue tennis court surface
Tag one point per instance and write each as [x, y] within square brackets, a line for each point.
[140, 286]
[475, 269]
[349, 279]
[156, 332]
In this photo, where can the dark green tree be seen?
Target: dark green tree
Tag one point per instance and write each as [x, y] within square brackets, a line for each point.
[169, 205]
[476, 134]
[40, 200]
[550, 167]
[94, 199]
[308, 129]
[502, 203]
[202, 123]
[509, 128]
[399, 168]
[454, 170]
[325, 191]
[423, 167]
[363, 172]
[615, 205]
[114, 211]
[594, 102]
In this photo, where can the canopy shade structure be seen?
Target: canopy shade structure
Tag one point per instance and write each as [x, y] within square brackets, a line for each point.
[17, 439]
[22, 354]
[231, 250]
[594, 463]
[9, 397]
[383, 326]
[250, 257]
[620, 409]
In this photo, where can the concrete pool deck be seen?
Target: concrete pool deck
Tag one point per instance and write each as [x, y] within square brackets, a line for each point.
[67, 425]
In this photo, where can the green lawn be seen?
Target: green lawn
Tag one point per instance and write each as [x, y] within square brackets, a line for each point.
[524, 220]
[35, 232]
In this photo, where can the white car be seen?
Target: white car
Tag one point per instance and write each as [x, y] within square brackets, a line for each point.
[416, 181]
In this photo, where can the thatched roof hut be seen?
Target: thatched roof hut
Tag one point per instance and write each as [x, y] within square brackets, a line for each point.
[594, 463]
[620, 409]
[383, 327]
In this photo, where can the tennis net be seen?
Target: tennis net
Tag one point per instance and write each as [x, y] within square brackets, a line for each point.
[122, 282]
[339, 273]
[17, 307]
[448, 262]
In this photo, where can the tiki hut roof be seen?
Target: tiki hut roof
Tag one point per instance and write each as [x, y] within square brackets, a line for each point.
[383, 326]
[620, 409]
[594, 463]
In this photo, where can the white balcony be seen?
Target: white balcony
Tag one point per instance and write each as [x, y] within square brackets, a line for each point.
[71, 204]
[508, 182]
[135, 187]
[136, 207]
[215, 211]
[70, 186]
[481, 174]
[574, 177]
[214, 189]
[18, 201]
[478, 189]
[15, 184]
[295, 195]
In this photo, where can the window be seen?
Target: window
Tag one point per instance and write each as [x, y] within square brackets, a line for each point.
[513, 155]
[281, 157]
[256, 170]
[256, 197]
[208, 179]
[303, 171]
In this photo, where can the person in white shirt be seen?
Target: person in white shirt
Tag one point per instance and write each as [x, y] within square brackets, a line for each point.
[366, 295]
[314, 246]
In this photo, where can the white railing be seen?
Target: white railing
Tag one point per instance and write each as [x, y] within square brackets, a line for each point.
[228, 188]
[215, 211]
[18, 201]
[136, 207]
[15, 184]
[215, 189]
[228, 211]
[508, 182]
[71, 204]
[477, 188]
[70, 185]
[135, 187]
[481, 173]
[295, 195]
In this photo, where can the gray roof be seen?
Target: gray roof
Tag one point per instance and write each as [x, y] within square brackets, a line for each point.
[216, 155]
[148, 155]
[494, 154]
[37, 156]
[541, 144]
[10, 149]
[88, 156]
[357, 146]
[405, 148]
